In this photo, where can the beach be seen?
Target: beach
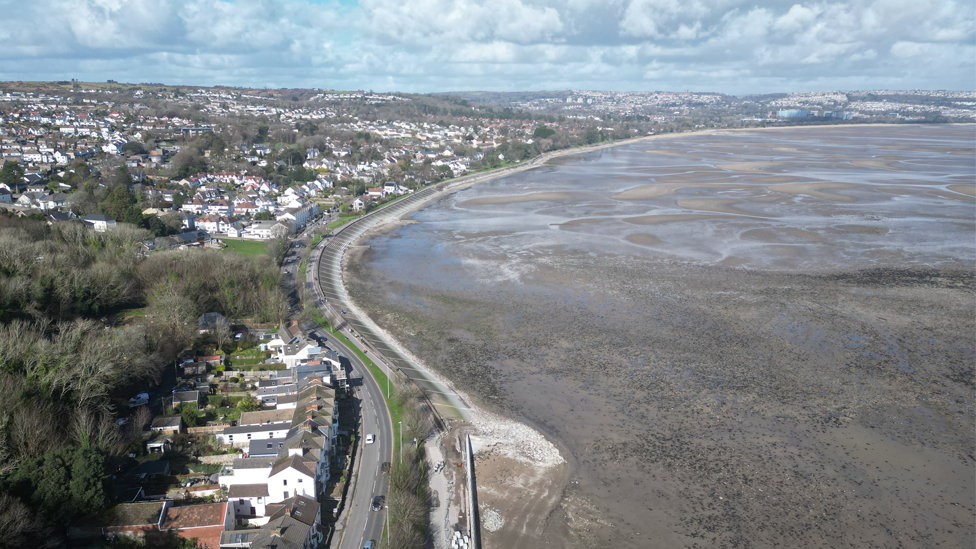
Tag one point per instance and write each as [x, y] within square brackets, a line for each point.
[751, 339]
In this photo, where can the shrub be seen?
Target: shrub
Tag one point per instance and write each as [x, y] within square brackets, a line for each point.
[234, 380]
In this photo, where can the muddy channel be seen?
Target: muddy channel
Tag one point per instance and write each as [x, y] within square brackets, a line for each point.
[741, 339]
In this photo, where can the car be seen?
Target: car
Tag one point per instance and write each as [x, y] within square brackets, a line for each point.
[368, 545]
[377, 503]
[370, 439]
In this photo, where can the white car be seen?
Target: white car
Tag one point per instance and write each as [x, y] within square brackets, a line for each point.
[370, 439]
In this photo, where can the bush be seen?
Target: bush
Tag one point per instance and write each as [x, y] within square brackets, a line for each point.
[189, 414]
[234, 379]
[216, 400]
[249, 404]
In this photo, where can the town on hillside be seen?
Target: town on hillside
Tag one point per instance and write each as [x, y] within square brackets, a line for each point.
[205, 163]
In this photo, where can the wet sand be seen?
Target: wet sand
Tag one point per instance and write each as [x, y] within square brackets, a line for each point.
[802, 379]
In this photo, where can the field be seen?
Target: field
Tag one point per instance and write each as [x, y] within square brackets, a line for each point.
[244, 247]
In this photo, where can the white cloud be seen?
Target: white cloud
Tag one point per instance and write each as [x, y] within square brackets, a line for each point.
[433, 45]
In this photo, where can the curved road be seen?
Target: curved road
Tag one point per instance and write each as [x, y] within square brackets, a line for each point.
[331, 289]
[362, 522]
[326, 279]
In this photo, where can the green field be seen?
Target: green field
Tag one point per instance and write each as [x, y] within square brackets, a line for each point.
[244, 247]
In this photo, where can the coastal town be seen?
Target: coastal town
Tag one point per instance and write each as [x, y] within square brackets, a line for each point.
[199, 218]
[247, 164]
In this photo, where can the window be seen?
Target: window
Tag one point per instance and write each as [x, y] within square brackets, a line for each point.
[249, 436]
[286, 494]
[230, 438]
[299, 480]
[270, 445]
[284, 482]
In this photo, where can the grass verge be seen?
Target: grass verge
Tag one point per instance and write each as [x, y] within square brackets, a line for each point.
[378, 373]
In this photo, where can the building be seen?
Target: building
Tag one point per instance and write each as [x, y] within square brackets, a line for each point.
[204, 522]
[99, 222]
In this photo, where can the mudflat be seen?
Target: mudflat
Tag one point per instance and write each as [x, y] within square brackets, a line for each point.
[781, 362]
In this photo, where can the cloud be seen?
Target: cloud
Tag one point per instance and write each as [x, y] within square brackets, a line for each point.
[436, 45]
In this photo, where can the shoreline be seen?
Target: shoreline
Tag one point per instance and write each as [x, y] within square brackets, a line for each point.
[559, 524]
[466, 181]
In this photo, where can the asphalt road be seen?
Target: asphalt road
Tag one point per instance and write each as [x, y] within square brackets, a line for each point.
[328, 259]
[363, 523]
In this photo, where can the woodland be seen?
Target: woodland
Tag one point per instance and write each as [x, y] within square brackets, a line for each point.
[66, 370]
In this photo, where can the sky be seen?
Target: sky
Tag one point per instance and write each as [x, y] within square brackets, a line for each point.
[421, 46]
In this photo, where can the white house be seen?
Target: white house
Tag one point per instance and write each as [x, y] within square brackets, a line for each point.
[260, 230]
[54, 201]
[99, 222]
[241, 435]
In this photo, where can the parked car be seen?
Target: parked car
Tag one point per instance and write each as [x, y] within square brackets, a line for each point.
[140, 399]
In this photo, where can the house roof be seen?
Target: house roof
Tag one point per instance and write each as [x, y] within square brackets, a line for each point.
[247, 491]
[186, 396]
[265, 416]
[245, 429]
[304, 439]
[297, 463]
[130, 514]
[194, 516]
[265, 448]
[98, 217]
[281, 533]
[252, 463]
[163, 422]
[300, 508]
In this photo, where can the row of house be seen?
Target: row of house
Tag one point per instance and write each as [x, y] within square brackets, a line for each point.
[293, 523]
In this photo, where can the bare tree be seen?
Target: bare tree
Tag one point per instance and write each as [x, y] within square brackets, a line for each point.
[220, 332]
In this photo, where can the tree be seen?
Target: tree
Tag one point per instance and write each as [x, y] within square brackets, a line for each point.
[220, 332]
[277, 247]
[249, 404]
[133, 147]
[189, 414]
[63, 484]
[12, 174]
[543, 132]
[190, 166]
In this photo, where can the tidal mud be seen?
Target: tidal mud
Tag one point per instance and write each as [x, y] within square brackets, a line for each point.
[802, 377]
